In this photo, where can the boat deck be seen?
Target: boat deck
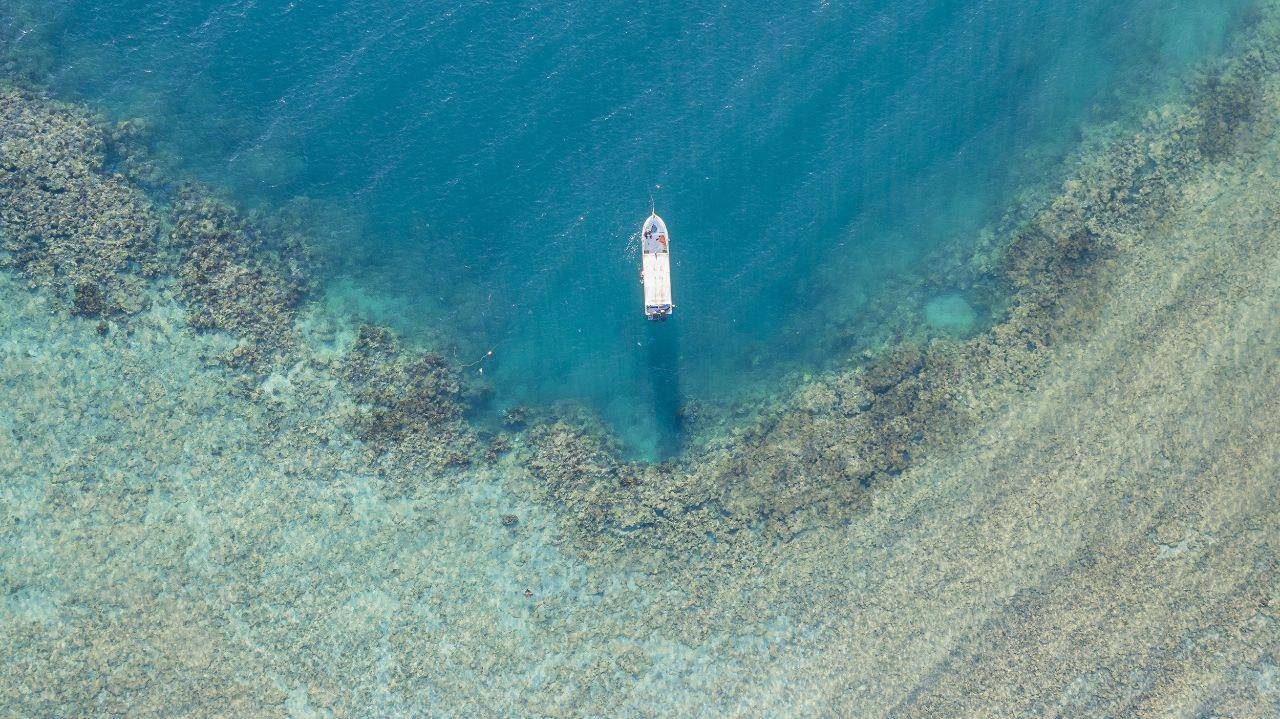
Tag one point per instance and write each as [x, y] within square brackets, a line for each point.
[650, 244]
[657, 280]
[656, 267]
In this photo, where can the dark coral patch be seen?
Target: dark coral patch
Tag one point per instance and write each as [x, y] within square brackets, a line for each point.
[410, 402]
[89, 299]
[67, 223]
[232, 277]
[1228, 97]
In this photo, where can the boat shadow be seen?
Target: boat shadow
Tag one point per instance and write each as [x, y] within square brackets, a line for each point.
[662, 343]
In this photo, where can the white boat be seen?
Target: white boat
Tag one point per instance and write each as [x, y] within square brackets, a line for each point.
[655, 268]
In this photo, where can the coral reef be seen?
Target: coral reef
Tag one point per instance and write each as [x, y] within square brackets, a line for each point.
[89, 299]
[67, 222]
[129, 152]
[809, 463]
[410, 402]
[1070, 513]
[231, 279]
[91, 235]
[579, 473]
[1227, 98]
[794, 467]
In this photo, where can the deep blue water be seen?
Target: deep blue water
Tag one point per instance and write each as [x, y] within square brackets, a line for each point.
[486, 165]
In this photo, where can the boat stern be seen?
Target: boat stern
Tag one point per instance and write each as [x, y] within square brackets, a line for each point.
[658, 313]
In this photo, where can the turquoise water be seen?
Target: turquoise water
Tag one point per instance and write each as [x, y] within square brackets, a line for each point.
[1078, 528]
[484, 167]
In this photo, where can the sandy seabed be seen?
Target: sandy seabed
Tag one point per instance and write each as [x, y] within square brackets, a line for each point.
[219, 498]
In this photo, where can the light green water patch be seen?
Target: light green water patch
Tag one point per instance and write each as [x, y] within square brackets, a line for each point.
[951, 314]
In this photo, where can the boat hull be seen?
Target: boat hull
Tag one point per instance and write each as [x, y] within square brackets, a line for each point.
[655, 269]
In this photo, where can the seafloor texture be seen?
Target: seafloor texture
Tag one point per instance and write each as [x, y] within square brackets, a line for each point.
[220, 498]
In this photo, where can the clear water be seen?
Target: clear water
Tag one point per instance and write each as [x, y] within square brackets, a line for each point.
[169, 547]
[491, 163]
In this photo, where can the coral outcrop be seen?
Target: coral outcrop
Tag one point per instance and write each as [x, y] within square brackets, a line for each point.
[231, 279]
[66, 221]
[411, 403]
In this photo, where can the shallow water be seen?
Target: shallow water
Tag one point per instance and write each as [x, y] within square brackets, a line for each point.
[485, 168]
